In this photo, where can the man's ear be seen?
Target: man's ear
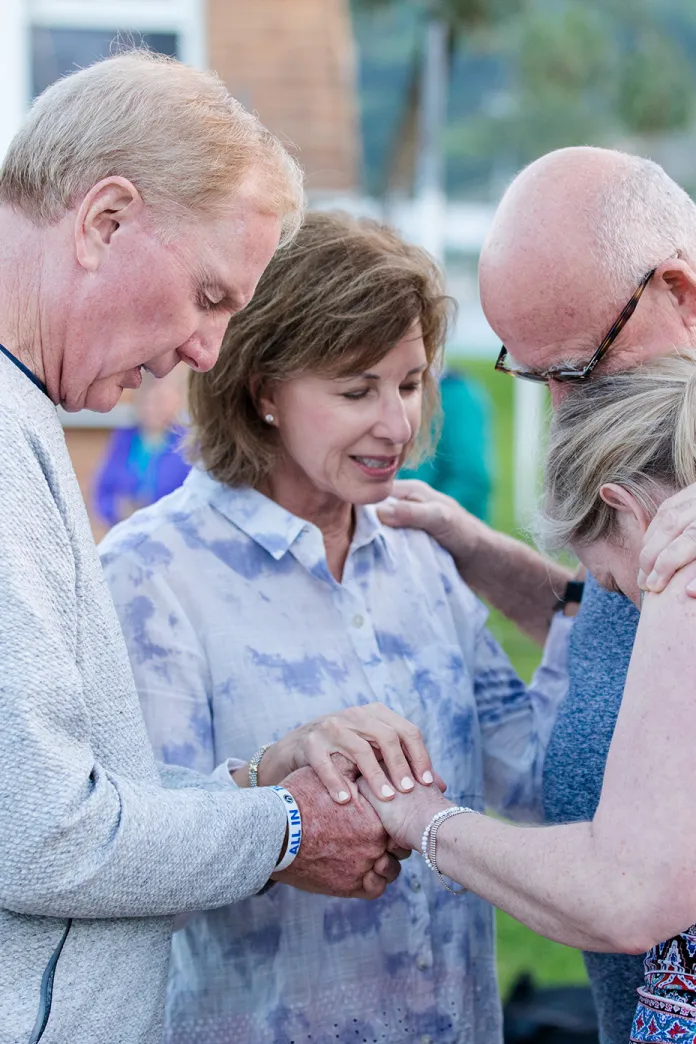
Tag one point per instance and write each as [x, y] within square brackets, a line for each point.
[679, 278]
[107, 206]
[631, 510]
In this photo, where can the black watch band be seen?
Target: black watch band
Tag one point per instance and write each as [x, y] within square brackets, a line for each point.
[573, 593]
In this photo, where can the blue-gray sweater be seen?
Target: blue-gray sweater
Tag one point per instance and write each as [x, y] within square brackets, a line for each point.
[90, 827]
[600, 651]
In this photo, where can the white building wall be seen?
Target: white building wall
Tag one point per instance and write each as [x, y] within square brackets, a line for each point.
[14, 68]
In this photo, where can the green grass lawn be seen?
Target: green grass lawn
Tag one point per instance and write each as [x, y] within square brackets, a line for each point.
[519, 949]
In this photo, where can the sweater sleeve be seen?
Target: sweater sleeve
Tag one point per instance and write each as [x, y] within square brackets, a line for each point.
[77, 838]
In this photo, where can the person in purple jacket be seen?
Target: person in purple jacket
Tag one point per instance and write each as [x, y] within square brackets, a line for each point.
[144, 462]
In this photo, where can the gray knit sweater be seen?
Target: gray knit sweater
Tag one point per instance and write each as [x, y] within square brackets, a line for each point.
[90, 827]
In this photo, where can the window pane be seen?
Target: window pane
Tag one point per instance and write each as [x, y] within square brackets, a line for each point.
[56, 52]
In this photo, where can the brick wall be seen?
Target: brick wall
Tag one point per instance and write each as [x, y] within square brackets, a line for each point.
[292, 62]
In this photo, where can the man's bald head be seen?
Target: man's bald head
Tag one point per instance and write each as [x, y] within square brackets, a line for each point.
[574, 235]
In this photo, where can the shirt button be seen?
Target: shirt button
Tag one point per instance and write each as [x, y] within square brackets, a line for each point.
[422, 964]
[427, 1039]
[415, 885]
[358, 620]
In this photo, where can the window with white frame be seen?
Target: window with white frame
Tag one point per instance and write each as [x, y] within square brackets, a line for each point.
[69, 34]
[57, 51]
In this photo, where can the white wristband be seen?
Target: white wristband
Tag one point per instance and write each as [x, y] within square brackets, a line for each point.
[294, 827]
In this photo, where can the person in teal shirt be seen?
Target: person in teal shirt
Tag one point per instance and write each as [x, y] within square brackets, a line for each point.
[461, 466]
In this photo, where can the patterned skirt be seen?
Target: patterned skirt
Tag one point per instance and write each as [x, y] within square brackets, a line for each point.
[666, 1012]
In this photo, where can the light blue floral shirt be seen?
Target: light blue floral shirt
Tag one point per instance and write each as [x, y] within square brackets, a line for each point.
[237, 633]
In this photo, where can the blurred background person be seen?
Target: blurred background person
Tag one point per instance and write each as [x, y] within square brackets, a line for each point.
[461, 463]
[144, 462]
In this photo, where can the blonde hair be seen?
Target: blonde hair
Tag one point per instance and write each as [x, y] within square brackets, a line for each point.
[333, 302]
[173, 131]
[637, 429]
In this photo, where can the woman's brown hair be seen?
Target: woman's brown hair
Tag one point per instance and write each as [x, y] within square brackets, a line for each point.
[334, 301]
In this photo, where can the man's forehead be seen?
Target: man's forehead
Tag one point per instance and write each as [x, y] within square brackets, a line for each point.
[233, 247]
[546, 305]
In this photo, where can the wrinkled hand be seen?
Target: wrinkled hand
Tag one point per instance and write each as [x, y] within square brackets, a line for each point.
[670, 542]
[365, 736]
[416, 505]
[344, 848]
[406, 817]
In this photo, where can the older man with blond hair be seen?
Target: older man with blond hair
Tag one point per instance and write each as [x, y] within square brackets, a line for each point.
[589, 267]
[139, 206]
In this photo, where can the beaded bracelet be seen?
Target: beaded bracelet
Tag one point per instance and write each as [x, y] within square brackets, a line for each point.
[429, 842]
[254, 765]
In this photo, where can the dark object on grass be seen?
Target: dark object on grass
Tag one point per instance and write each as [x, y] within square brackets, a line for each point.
[549, 1015]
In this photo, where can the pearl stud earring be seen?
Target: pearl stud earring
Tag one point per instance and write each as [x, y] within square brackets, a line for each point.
[269, 418]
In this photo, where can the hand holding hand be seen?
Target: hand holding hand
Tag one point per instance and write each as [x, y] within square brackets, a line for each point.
[406, 817]
[670, 542]
[365, 736]
[343, 850]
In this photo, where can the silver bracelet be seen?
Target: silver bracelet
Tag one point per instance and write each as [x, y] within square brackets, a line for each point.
[429, 842]
[254, 765]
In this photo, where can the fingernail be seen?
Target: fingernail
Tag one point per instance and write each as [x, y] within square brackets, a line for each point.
[652, 579]
[641, 578]
[691, 588]
[427, 777]
[407, 783]
[343, 795]
[386, 509]
[387, 791]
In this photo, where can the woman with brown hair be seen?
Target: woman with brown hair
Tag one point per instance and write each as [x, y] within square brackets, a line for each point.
[266, 593]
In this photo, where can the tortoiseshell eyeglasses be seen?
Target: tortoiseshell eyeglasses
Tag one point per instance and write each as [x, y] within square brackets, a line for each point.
[506, 364]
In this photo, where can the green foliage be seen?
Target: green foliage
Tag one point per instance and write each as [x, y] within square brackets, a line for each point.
[656, 86]
[528, 76]
[468, 15]
[582, 73]
[565, 50]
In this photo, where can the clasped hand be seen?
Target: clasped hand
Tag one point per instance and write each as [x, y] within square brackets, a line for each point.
[343, 769]
[385, 749]
[354, 850]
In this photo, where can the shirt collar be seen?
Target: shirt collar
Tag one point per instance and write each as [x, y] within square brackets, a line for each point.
[270, 525]
[369, 530]
[263, 521]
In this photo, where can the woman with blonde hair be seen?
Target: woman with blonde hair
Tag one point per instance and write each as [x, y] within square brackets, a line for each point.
[621, 445]
[266, 593]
